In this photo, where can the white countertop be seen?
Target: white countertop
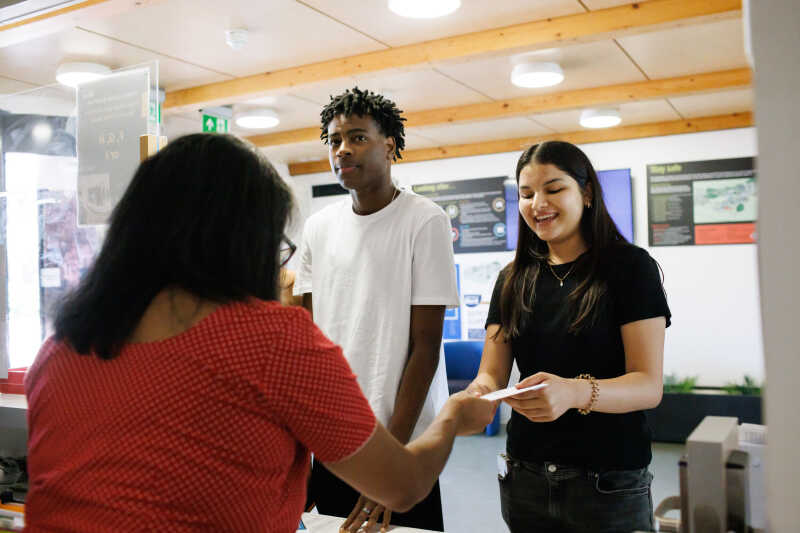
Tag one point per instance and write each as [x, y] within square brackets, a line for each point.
[13, 401]
[318, 523]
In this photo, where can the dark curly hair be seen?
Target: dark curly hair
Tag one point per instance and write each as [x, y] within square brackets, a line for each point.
[366, 103]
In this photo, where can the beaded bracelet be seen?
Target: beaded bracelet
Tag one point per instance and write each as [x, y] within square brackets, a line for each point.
[595, 393]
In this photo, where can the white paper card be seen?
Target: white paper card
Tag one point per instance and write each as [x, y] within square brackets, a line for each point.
[502, 466]
[510, 391]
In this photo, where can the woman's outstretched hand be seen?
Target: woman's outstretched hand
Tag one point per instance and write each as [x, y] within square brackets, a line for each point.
[474, 414]
[548, 403]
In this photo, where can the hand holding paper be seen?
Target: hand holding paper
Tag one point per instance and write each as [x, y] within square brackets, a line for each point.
[510, 391]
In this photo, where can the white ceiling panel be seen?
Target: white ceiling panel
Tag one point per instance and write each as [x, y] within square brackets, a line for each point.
[11, 86]
[417, 138]
[283, 34]
[584, 65]
[36, 61]
[293, 113]
[374, 18]
[632, 113]
[296, 153]
[414, 90]
[689, 50]
[411, 90]
[507, 128]
[703, 105]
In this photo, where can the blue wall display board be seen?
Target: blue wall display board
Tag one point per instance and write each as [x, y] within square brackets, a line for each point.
[617, 195]
[512, 213]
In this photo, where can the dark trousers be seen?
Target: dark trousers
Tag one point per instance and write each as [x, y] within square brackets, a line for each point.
[548, 497]
[334, 497]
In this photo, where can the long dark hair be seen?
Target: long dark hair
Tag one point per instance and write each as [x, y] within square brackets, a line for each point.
[596, 227]
[205, 214]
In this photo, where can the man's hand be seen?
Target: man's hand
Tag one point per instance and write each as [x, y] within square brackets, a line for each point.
[478, 389]
[365, 515]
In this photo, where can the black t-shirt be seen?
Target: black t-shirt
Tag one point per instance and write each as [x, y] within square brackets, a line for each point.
[599, 440]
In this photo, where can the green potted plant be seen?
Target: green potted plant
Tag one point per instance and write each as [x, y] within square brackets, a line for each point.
[684, 404]
[748, 387]
[674, 384]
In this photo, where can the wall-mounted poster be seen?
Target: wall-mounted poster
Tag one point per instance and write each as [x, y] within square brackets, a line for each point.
[702, 202]
[452, 317]
[478, 276]
[477, 210]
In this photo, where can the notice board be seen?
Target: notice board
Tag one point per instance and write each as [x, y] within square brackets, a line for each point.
[477, 210]
[702, 202]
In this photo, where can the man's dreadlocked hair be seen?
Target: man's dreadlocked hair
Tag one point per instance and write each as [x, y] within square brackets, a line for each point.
[366, 103]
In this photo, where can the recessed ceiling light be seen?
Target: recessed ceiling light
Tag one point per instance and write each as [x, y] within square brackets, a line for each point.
[424, 9]
[257, 119]
[600, 118]
[73, 74]
[42, 132]
[537, 74]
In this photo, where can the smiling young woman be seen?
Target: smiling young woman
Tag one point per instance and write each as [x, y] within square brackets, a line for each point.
[584, 312]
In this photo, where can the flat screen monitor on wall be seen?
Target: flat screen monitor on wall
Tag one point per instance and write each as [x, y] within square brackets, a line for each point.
[616, 186]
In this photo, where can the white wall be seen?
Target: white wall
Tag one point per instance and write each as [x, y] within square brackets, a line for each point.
[776, 47]
[712, 290]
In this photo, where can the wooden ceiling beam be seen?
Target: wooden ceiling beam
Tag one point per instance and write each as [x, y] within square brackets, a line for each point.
[553, 32]
[638, 131]
[559, 101]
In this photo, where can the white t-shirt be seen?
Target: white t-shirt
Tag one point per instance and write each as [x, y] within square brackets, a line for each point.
[365, 273]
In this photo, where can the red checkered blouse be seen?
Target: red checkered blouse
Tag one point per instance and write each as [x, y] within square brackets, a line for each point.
[209, 430]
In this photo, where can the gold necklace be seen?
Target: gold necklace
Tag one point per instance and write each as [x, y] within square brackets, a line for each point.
[560, 279]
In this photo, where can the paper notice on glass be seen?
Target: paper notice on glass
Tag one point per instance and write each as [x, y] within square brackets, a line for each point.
[510, 391]
[50, 277]
[112, 114]
[94, 197]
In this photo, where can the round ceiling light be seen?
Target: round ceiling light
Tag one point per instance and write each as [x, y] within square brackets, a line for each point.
[600, 118]
[538, 74]
[424, 9]
[257, 119]
[73, 74]
[42, 132]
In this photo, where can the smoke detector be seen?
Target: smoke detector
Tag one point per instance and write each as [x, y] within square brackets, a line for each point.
[236, 38]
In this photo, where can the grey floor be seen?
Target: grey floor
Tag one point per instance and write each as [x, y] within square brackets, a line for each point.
[470, 499]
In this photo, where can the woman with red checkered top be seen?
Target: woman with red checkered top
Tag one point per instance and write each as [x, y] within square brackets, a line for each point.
[177, 394]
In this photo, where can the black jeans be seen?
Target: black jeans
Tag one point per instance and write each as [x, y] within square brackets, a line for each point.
[548, 497]
[334, 497]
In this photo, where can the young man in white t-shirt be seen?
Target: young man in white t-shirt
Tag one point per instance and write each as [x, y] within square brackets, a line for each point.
[377, 272]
